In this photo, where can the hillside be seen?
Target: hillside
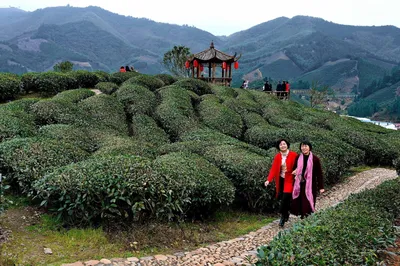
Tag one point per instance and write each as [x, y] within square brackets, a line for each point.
[283, 48]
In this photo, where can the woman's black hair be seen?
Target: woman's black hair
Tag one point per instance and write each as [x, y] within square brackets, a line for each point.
[306, 142]
[279, 142]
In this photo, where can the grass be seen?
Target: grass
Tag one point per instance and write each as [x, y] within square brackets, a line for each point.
[33, 230]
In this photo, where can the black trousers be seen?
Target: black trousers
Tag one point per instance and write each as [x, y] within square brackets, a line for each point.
[285, 199]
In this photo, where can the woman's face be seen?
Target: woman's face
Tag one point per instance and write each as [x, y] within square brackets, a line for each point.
[283, 146]
[305, 149]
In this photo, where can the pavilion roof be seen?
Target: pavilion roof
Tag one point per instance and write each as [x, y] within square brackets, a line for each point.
[213, 54]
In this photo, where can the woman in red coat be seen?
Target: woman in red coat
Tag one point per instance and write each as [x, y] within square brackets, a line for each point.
[281, 173]
[308, 181]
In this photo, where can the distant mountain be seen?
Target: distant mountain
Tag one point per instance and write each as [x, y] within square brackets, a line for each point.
[347, 58]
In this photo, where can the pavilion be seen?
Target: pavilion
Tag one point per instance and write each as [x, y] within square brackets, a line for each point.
[213, 58]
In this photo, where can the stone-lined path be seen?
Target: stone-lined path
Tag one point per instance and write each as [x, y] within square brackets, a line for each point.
[242, 250]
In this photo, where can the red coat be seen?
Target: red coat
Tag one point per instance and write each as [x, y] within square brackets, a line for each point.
[275, 172]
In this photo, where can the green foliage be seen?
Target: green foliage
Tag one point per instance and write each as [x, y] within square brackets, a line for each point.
[247, 172]
[15, 121]
[217, 116]
[136, 99]
[84, 138]
[120, 77]
[104, 111]
[167, 79]
[85, 79]
[363, 108]
[174, 60]
[51, 83]
[175, 113]
[106, 87]
[348, 234]
[28, 81]
[65, 66]
[144, 128]
[24, 160]
[150, 82]
[396, 164]
[115, 145]
[205, 186]
[74, 96]
[102, 75]
[53, 111]
[199, 87]
[9, 86]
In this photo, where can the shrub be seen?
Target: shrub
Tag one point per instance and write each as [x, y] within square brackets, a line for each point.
[84, 138]
[348, 234]
[24, 160]
[396, 164]
[9, 86]
[85, 79]
[136, 99]
[128, 187]
[203, 184]
[252, 119]
[264, 135]
[107, 87]
[175, 113]
[28, 82]
[99, 189]
[198, 86]
[51, 83]
[120, 77]
[149, 82]
[74, 96]
[247, 171]
[122, 145]
[167, 79]
[217, 116]
[53, 111]
[15, 122]
[102, 75]
[224, 92]
[144, 128]
[104, 111]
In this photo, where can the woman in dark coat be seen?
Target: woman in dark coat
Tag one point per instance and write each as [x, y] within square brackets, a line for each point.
[281, 173]
[308, 181]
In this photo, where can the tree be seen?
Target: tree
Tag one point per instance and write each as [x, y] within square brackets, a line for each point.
[174, 60]
[319, 95]
[65, 66]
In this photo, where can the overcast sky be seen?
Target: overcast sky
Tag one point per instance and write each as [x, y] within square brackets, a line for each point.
[227, 17]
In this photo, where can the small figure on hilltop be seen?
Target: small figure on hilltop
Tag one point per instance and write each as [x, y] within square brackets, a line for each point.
[127, 69]
[133, 69]
[282, 173]
[243, 84]
[308, 181]
[122, 69]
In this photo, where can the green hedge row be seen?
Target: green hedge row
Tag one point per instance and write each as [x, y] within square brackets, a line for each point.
[348, 234]
[9, 86]
[144, 128]
[130, 188]
[136, 99]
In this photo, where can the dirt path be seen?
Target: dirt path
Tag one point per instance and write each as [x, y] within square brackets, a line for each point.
[242, 250]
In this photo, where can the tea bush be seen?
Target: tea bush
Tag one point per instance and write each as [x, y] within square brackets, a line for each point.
[28, 82]
[74, 96]
[51, 83]
[150, 82]
[247, 171]
[102, 75]
[136, 99]
[120, 77]
[85, 79]
[167, 79]
[107, 87]
[217, 116]
[202, 183]
[175, 113]
[104, 111]
[348, 234]
[123, 145]
[197, 86]
[9, 86]
[144, 128]
[15, 122]
[24, 160]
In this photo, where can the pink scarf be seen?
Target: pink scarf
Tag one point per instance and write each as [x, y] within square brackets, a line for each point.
[307, 177]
